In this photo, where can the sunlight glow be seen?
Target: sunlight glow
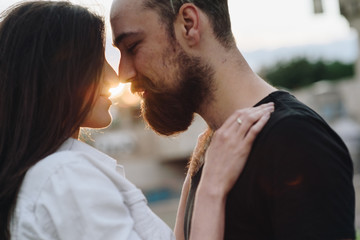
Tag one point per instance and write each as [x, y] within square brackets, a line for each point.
[122, 96]
[117, 91]
[129, 98]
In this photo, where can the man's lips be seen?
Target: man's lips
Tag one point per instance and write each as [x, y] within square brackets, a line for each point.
[141, 92]
[137, 90]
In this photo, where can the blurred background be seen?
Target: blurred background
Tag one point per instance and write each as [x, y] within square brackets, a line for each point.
[307, 47]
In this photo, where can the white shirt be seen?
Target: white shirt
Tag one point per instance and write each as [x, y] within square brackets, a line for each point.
[80, 193]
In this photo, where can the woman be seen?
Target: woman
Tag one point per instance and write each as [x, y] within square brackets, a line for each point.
[54, 79]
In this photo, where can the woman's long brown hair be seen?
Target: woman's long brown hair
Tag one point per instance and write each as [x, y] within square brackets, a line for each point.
[51, 54]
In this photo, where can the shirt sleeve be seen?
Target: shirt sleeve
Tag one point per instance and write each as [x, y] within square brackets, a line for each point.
[79, 202]
[308, 171]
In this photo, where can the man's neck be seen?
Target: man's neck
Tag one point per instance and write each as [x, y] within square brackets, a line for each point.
[236, 86]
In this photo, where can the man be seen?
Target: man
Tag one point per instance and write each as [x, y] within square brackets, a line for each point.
[181, 57]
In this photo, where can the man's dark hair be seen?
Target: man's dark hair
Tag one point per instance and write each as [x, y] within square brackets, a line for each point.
[216, 10]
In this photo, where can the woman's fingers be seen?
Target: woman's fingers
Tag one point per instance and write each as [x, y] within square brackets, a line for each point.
[237, 114]
[231, 145]
[239, 123]
[256, 128]
[250, 119]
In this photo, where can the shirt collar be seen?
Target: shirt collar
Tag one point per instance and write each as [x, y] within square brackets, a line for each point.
[76, 145]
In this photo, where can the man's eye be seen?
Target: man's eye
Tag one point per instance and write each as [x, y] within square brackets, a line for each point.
[132, 47]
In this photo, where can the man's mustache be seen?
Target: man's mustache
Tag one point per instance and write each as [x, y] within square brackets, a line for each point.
[141, 84]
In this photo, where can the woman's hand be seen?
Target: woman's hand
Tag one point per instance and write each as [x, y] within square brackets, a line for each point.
[224, 161]
[230, 146]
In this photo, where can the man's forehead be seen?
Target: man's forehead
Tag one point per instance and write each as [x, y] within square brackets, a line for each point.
[124, 16]
[120, 7]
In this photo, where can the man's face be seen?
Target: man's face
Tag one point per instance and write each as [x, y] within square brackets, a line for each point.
[172, 84]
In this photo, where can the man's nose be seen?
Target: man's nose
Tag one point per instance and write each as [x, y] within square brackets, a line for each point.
[126, 69]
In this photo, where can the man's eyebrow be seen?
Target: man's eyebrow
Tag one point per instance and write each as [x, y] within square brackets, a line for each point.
[122, 36]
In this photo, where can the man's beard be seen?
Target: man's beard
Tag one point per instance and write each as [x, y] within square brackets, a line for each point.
[172, 110]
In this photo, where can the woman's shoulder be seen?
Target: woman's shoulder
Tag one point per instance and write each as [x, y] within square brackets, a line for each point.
[69, 186]
[71, 172]
[47, 169]
[72, 163]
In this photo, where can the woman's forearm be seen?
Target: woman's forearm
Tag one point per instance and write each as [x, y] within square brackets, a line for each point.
[179, 224]
[208, 220]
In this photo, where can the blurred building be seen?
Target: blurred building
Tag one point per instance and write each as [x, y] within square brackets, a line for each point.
[331, 100]
[339, 102]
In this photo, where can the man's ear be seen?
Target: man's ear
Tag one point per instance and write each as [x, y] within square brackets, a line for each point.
[188, 24]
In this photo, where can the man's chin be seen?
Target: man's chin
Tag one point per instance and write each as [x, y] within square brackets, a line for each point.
[166, 125]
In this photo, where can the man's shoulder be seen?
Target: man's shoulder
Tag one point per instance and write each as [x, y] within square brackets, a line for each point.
[296, 128]
[288, 108]
[291, 118]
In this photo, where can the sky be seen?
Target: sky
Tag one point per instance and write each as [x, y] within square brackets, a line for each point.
[283, 23]
[263, 27]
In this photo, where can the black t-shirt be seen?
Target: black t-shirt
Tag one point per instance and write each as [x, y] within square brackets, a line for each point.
[297, 182]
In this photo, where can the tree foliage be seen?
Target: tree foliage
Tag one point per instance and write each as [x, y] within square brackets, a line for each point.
[301, 72]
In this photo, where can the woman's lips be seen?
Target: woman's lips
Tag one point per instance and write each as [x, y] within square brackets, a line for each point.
[106, 97]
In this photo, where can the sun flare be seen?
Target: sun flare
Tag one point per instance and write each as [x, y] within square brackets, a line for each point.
[117, 91]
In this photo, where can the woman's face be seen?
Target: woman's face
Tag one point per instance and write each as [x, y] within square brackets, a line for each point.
[99, 115]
